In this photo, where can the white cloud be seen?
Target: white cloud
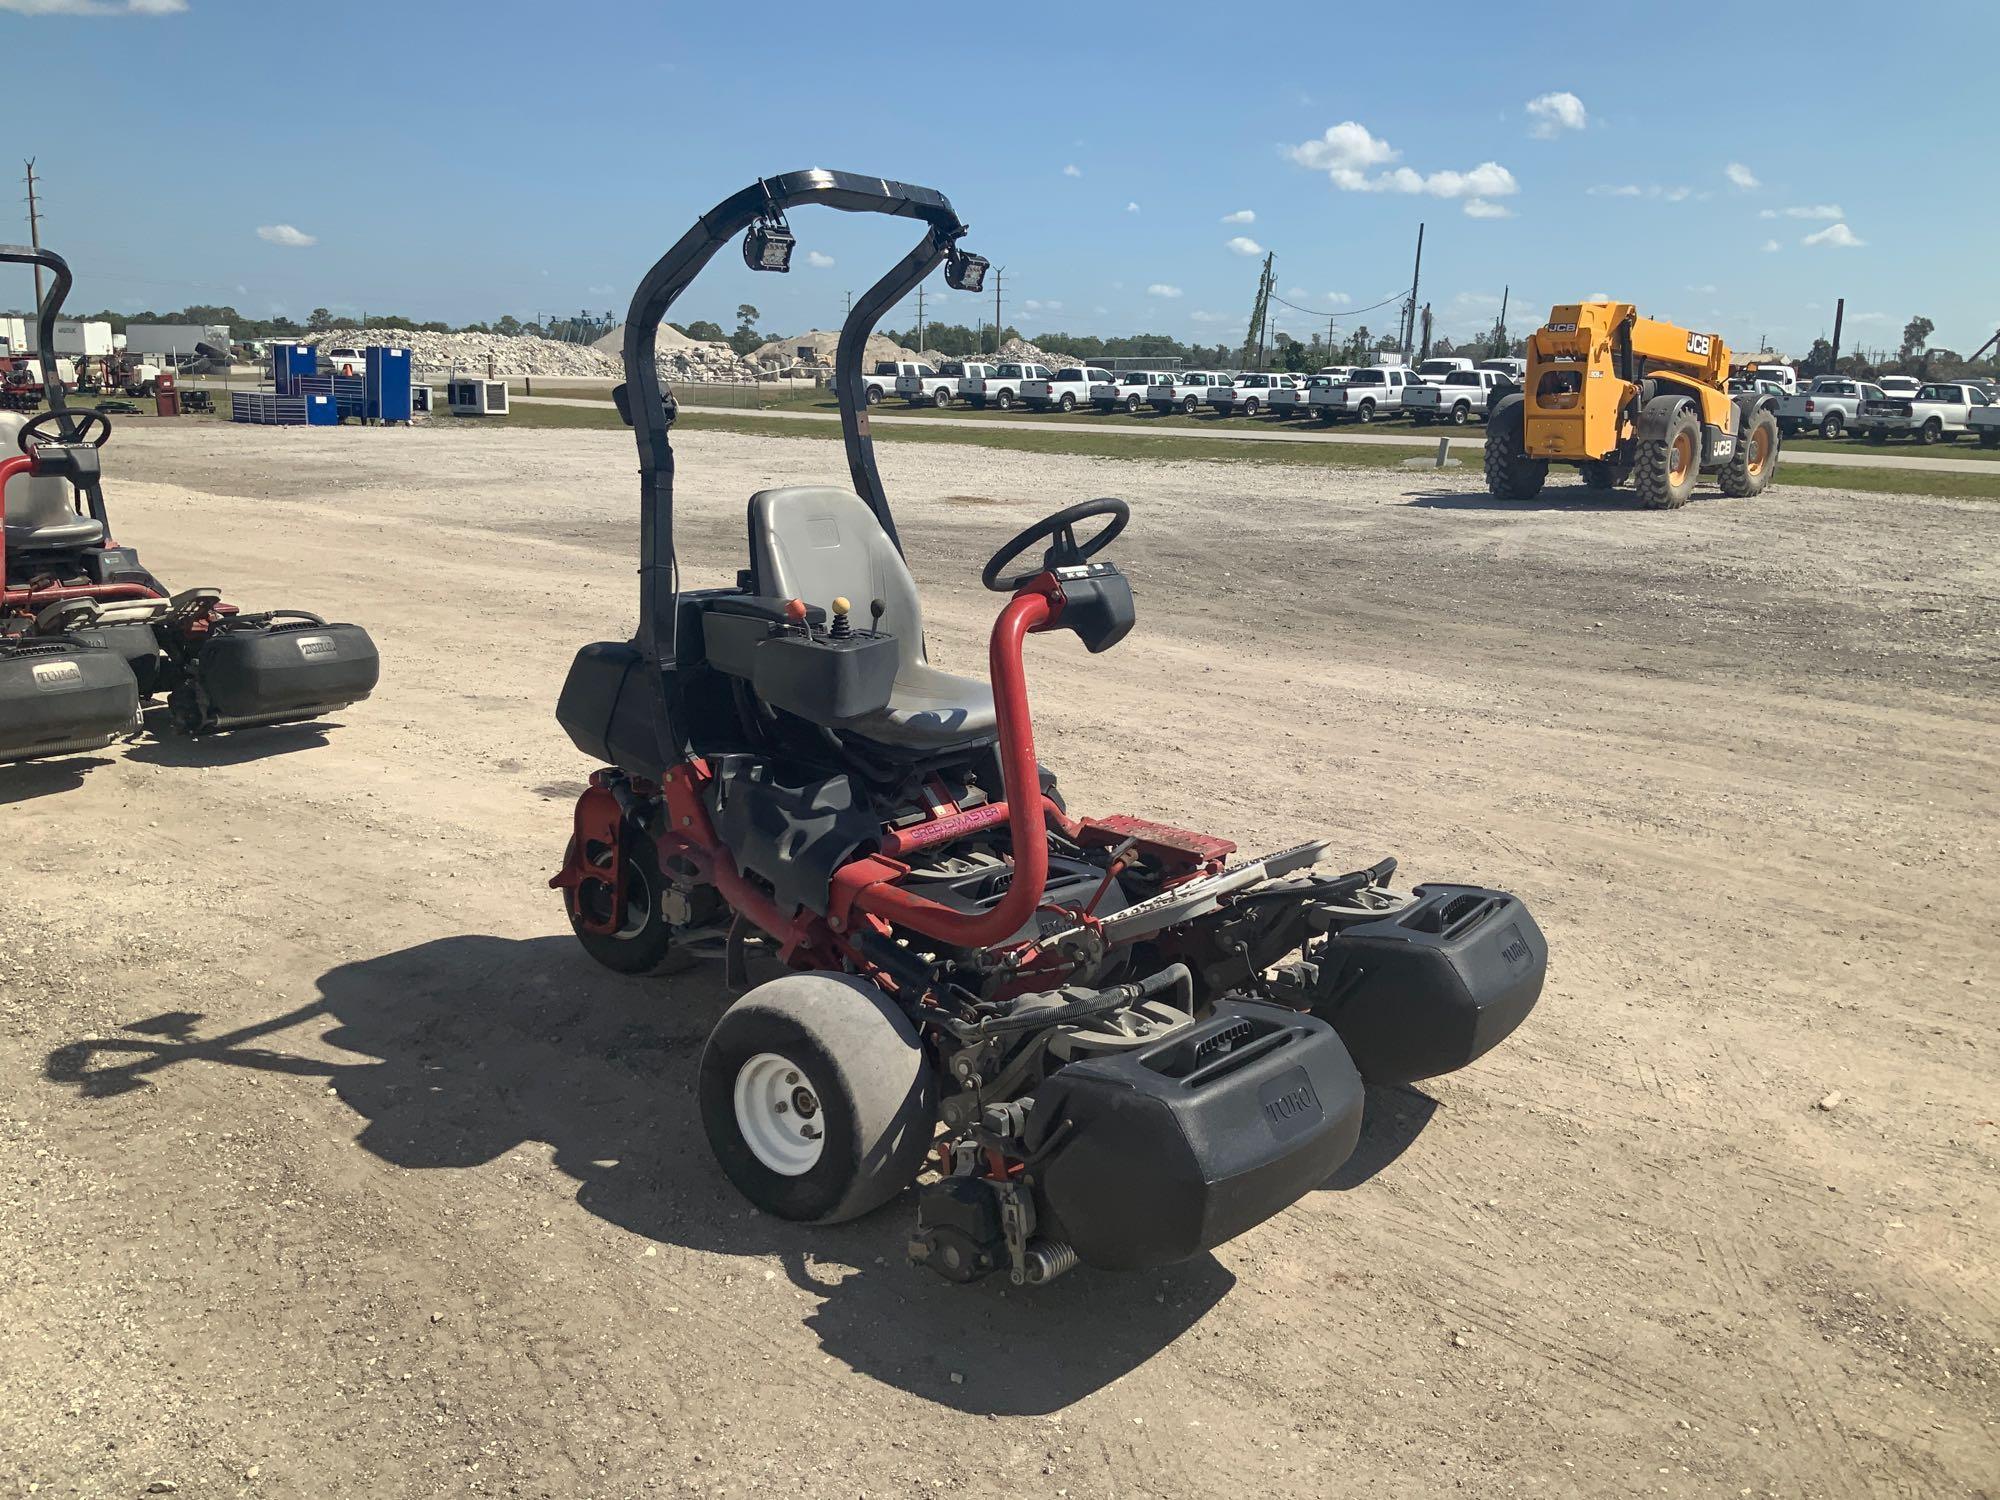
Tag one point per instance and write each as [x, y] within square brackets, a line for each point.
[1031, 305]
[1241, 216]
[1771, 247]
[1479, 208]
[1767, 213]
[1707, 289]
[1555, 113]
[1835, 236]
[1741, 176]
[1482, 301]
[284, 234]
[1598, 297]
[1676, 194]
[1348, 150]
[1634, 190]
[1870, 317]
[1131, 208]
[1072, 170]
[1242, 244]
[1161, 289]
[94, 7]
[1208, 317]
[1815, 211]
[818, 258]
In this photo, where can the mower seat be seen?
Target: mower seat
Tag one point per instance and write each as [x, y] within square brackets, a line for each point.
[40, 513]
[818, 542]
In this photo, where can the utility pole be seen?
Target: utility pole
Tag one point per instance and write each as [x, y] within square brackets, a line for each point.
[920, 320]
[1260, 312]
[34, 229]
[1500, 328]
[1416, 280]
[1839, 317]
[998, 272]
[1424, 352]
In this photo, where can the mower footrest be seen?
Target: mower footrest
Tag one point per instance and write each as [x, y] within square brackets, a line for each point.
[1432, 988]
[1160, 1153]
[282, 672]
[59, 695]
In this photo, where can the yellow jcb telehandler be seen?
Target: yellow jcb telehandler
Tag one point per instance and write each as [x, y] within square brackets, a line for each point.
[1624, 397]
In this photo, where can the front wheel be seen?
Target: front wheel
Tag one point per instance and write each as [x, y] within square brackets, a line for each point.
[1511, 474]
[1749, 470]
[817, 1098]
[1664, 468]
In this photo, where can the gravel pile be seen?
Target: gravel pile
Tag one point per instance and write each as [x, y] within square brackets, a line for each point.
[680, 358]
[1020, 351]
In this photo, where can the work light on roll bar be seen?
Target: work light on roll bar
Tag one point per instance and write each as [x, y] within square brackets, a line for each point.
[964, 271]
[767, 244]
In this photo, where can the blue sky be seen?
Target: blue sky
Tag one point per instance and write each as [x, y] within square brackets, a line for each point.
[459, 161]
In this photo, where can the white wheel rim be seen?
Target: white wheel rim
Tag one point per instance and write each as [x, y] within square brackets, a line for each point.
[778, 1114]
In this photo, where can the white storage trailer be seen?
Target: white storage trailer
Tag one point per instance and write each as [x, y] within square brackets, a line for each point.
[73, 337]
[174, 338]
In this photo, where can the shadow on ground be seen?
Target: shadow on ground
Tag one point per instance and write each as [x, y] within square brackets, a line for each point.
[22, 781]
[236, 748]
[474, 1045]
[1570, 498]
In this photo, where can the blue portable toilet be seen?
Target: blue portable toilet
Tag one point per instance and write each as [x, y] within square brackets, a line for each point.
[387, 391]
[322, 412]
[288, 363]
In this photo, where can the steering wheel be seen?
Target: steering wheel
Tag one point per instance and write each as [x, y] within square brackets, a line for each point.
[1067, 551]
[77, 423]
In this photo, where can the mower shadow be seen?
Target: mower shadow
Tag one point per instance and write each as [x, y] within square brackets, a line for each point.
[476, 1045]
[237, 748]
[1393, 1117]
[26, 780]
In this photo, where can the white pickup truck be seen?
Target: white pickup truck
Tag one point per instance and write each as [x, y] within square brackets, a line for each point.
[1984, 422]
[1463, 395]
[1247, 395]
[1433, 371]
[1186, 392]
[920, 385]
[1364, 395]
[1065, 390]
[1939, 411]
[1128, 391]
[1828, 406]
[1000, 384]
[1514, 369]
[881, 381]
[1296, 401]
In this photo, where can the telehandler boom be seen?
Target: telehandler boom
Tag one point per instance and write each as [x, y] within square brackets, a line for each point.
[1624, 397]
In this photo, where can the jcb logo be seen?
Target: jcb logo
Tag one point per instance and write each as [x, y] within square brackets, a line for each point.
[1700, 343]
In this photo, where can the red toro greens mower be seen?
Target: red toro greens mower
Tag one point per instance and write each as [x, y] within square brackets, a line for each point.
[87, 634]
[1117, 1042]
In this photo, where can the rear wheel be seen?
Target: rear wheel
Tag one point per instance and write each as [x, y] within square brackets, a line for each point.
[642, 941]
[1833, 425]
[1877, 435]
[941, 397]
[1989, 437]
[1603, 474]
[1461, 414]
[1665, 468]
[1068, 402]
[817, 1098]
[1131, 406]
[1930, 432]
[1421, 418]
[1250, 407]
[1005, 401]
[1367, 412]
[1510, 473]
[874, 394]
[1756, 459]
[1189, 405]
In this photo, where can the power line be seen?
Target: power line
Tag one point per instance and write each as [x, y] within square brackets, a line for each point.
[1352, 312]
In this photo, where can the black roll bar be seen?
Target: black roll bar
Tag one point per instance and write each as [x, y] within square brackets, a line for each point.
[45, 320]
[659, 588]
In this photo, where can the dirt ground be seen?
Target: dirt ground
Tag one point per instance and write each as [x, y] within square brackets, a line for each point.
[330, 1166]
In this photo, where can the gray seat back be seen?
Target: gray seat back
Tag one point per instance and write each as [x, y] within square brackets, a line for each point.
[41, 512]
[818, 542]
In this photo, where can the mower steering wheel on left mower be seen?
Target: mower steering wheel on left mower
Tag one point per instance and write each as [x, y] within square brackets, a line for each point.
[1067, 551]
[76, 426]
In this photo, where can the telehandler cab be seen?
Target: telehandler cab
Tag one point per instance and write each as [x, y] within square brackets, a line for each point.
[1137, 1045]
[1624, 397]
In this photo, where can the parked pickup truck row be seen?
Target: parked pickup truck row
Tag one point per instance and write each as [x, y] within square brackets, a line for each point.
[1937, 412]
[1461, 396]
[1828, 406]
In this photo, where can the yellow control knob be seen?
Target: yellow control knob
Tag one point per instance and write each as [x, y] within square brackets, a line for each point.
[840, 606]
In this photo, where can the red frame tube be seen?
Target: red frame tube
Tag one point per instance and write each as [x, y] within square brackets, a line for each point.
[103, 593]
[25, 464]
[1034, 608]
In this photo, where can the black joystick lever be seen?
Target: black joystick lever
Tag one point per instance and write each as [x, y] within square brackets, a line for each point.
[876, 609]
[840, 630]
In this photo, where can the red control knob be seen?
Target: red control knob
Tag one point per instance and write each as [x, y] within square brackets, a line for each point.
[795, 611]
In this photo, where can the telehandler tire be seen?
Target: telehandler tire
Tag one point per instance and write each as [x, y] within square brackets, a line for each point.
[1665, 468]
[1510, 473]
[1602, 474]
[1749, 472]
